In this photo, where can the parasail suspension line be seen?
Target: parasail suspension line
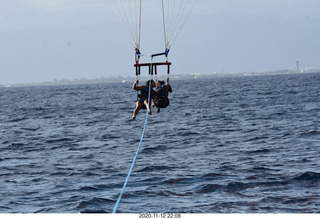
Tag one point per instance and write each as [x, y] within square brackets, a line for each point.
[183, 23]
[164, 25]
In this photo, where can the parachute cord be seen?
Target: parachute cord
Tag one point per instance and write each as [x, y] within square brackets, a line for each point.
[183, 23]
[173, 26]
[120, 15]
[137, 152]
[140, 6]
[164, 25]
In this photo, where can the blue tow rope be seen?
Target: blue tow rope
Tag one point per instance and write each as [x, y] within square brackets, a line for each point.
[135, 157]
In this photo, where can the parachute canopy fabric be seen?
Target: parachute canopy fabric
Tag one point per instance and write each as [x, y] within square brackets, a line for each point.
[129, 14]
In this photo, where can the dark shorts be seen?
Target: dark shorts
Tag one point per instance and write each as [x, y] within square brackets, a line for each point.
[162, 102]
[141, 101]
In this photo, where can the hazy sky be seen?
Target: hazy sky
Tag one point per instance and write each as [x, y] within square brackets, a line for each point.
[42, 40]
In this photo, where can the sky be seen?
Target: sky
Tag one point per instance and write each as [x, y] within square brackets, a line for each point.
[46, 40]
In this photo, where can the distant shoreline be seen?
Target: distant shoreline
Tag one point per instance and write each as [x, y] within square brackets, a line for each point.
[103, 80]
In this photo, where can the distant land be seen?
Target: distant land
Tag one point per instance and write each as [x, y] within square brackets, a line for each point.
[119, 79]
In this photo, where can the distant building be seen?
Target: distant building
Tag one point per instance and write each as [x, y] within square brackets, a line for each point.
[297, 66]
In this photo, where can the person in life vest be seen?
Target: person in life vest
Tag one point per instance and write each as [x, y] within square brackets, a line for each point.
[143, 96]
[162, 100]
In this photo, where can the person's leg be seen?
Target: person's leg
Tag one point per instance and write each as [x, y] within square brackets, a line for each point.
[136, 110]
[156, 103]
[147, 106]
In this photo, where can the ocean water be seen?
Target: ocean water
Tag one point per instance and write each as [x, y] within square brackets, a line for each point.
[224, 145]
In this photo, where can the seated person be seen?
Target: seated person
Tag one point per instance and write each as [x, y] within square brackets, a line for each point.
[162, 100]
[142, 102]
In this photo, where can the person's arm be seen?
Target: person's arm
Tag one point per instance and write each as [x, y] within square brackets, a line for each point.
[135, 84]
[135, 87]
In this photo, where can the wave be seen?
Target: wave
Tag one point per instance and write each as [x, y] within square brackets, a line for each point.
[233, 187]
[259, 151]
[209, 188]
[58, 140]
[96, 205]
[308, 176]
[154, 168]
[310, 133]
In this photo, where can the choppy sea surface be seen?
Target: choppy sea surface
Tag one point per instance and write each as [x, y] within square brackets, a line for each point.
[224, 145]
